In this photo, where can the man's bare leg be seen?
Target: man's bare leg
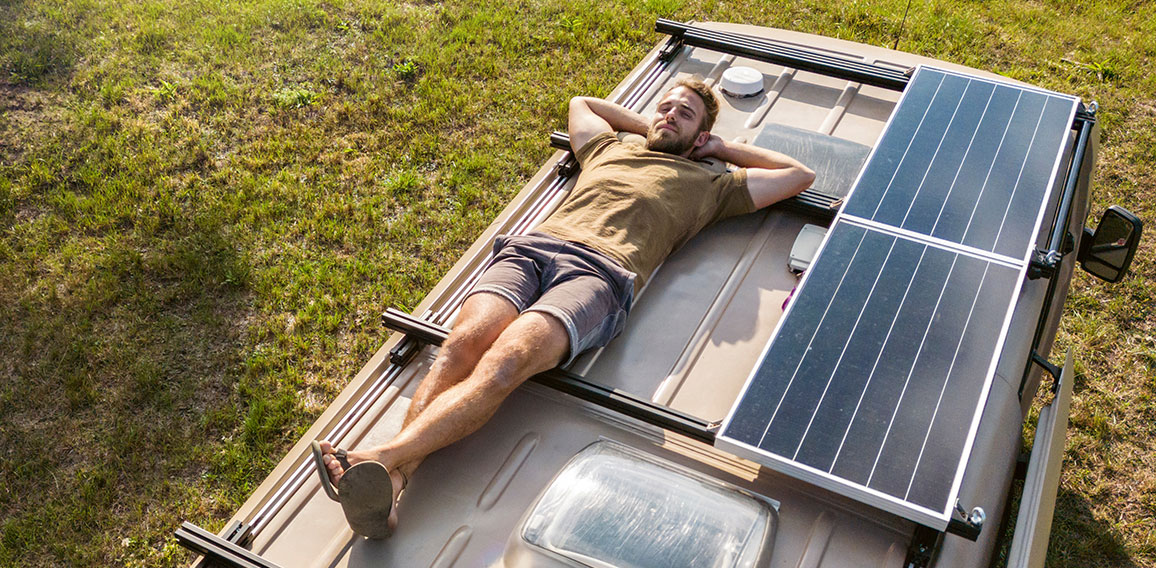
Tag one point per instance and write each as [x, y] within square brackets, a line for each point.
[532, 343]
[481, 320]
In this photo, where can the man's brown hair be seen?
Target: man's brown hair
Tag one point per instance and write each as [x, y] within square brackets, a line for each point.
[709, 101]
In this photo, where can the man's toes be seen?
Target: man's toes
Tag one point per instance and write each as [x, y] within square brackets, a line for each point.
[335, 471]
[331, 463]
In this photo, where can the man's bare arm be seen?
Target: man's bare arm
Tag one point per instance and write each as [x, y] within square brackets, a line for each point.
[590, 117]
[771, 176]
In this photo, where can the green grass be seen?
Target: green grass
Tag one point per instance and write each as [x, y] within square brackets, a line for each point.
[204, 206]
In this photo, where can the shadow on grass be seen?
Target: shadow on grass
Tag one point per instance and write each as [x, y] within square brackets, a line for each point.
[118, 372]
[33, 47]
[1078, 539]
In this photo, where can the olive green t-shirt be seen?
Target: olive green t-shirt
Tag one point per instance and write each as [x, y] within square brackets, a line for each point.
[637, 206]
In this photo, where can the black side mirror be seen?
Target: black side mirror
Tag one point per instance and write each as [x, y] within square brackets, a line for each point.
[1107, 253]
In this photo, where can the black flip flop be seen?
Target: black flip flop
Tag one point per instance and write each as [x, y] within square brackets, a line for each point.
[365, 492]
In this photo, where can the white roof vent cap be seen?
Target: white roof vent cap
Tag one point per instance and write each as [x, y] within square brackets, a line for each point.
[741, 82]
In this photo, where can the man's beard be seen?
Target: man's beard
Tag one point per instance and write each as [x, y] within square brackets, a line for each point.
[670, 144]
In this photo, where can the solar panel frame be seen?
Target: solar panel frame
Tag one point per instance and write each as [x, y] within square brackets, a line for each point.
[936, 517]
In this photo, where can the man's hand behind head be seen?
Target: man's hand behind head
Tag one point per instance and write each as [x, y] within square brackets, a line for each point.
[708, 150]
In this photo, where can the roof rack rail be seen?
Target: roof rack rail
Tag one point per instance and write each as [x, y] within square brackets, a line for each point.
[219, 551]
[778, 53]
[1060, 241]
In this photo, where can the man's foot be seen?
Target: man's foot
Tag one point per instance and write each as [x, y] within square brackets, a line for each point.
[336, 471]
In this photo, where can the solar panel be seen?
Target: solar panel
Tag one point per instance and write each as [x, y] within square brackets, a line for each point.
[874, 381]
[965, 160]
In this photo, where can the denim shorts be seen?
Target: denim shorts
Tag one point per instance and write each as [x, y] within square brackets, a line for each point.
[589, 292]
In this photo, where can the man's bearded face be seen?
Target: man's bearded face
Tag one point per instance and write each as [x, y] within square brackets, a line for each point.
[664, 140]
[676, 123]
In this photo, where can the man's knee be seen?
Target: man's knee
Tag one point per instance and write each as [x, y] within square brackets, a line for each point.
[534, 343]
[483, 318]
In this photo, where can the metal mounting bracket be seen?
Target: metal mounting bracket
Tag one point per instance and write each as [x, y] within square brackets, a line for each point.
[924, 542]
[403, 352]
[671, 49]
[970, 524]
[566, 167]
[1050, 368]
[1044, 264]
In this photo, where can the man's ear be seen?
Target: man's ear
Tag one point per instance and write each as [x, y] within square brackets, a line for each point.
[702, 138]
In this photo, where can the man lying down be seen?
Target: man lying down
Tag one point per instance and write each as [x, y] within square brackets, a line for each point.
[567, 286]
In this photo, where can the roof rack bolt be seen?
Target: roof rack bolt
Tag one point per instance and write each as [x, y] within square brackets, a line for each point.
[977, 517]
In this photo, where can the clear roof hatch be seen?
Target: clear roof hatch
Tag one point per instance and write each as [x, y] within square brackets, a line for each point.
[613, 506]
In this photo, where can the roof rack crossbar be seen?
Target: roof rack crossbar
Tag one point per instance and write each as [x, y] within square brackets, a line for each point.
[785, 52]
[574, 385]
[771, 52]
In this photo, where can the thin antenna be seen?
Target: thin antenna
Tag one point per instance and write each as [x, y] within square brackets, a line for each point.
[901, 25]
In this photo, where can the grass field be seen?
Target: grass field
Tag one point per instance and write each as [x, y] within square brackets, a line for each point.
[205, 205]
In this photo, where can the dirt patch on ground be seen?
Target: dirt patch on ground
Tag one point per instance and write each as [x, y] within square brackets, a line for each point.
[25, 113]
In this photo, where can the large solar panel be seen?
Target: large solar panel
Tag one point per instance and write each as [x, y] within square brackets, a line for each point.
[875, 379]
